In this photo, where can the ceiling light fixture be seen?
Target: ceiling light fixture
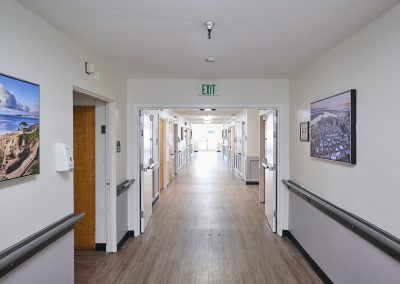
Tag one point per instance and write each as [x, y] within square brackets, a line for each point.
[209, 26]
[208, 109]
[210, 59]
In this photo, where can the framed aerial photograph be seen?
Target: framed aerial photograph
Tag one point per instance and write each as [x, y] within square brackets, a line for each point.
[304, 133]
[333, 128]
[19, 128]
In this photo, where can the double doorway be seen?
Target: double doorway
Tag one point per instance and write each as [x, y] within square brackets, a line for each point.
[152, 169]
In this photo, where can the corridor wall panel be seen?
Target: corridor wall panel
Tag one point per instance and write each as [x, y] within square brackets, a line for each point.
[37, 52]
[368, 62]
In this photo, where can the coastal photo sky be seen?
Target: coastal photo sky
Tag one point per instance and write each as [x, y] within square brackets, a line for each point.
[339, 102]
[18, 97]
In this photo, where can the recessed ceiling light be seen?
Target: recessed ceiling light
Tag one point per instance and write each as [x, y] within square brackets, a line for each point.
[210, 59]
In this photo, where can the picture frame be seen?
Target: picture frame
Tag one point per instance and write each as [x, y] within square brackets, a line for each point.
[20, 128]
[333, 128]
[304, 131]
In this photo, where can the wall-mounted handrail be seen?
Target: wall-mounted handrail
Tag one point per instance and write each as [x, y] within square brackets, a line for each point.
[124, 186]
[377, 236]
[15, 255]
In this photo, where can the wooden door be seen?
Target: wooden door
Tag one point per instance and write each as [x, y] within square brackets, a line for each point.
[161, 151]
[84, 175]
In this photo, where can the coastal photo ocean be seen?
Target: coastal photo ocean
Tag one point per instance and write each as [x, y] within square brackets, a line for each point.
[19, 128]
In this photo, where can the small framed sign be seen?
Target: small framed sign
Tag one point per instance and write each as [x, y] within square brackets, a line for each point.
[304, 131]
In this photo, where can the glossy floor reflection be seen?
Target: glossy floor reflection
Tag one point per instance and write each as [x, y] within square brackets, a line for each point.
[208, 227]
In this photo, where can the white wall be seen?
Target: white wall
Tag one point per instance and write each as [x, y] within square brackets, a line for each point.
[34, 51]
[369, 62]
[253, 132]
[45, 266]
[183, 93]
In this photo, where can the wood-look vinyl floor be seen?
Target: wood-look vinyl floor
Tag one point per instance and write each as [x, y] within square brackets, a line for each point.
[208, 227]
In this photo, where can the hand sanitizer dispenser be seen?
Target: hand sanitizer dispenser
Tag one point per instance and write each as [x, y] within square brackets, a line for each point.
[64, 158]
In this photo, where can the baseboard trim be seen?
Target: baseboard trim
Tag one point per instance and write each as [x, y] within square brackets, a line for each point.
[100, 247]
[103, 246]
[321, 274]
[127, 235]
[252, 183]
[131, 234]
[156, 199]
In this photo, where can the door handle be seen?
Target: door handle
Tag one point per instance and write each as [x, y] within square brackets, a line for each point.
[151, 166]
[264, 164]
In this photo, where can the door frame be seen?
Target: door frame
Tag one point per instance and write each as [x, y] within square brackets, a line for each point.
[264, 115]
[261, 181]
[111, 194]
[283, 155]
[165, 124]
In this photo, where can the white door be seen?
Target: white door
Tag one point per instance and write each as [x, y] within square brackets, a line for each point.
[261, 184]
[176, 149]
[270, 163]
[147, 165]
[155, 155]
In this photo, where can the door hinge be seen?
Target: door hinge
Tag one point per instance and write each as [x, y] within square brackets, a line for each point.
[141, 133]
[274, 134]
[275, 213]
[141, 214]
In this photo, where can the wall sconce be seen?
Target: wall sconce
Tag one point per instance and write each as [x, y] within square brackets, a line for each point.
[91, 71]
[89, 68]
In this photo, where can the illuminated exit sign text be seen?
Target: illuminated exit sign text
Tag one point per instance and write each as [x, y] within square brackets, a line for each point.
[207, 89]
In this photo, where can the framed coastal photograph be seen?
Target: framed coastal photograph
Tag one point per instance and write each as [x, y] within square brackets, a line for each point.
[304, 133]
[333, 128]
[19, 128]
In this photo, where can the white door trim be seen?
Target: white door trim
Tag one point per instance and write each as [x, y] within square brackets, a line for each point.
[283, 154]
[111, 194]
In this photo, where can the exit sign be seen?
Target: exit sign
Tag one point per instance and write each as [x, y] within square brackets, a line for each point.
[208, 89]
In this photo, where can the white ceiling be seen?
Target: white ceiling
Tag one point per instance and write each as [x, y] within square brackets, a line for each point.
[167, 39]
[219, 116]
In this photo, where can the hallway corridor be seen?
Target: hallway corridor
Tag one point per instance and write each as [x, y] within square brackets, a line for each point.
[208, 227]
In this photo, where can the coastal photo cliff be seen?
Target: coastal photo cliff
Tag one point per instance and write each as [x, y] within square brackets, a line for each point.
[19, 128]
